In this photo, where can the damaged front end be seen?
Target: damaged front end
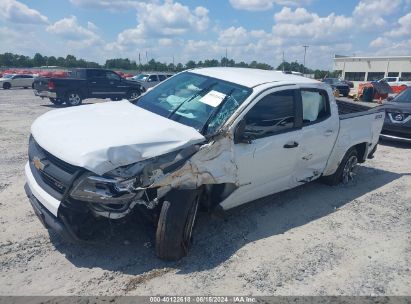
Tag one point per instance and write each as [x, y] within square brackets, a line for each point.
[115, 194]
[88, 199]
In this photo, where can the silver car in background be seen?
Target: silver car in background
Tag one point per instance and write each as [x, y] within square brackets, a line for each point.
[149, 80]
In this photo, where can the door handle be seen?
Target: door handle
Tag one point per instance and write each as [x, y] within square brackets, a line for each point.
[328, 132]
[291, 145]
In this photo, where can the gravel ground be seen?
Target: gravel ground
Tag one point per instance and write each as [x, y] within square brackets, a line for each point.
[313, 240]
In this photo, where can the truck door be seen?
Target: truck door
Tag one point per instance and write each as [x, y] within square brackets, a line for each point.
[319, 132]
[266, 164]
[97, 83]
[116, 88]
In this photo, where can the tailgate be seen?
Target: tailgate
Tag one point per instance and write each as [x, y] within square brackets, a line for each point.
[41, 84]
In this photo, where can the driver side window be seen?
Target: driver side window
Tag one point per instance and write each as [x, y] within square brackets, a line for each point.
[112, 76]
[274, 113]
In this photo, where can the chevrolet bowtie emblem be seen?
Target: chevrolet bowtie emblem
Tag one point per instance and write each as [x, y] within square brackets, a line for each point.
[38, 164]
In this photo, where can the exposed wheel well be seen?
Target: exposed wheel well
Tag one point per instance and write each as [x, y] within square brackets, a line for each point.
[361, 150]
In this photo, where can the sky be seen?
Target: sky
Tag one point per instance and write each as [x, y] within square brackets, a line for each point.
[261, 30]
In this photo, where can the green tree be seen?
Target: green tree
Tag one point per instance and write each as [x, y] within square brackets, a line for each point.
[71, 61]
[52, 61]
[190, 64]
[38, 60]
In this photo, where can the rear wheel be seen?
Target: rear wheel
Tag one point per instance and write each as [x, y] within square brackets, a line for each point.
[175, 224]
[133, 94]
[73, 99]
[6, 85]
[346, 171]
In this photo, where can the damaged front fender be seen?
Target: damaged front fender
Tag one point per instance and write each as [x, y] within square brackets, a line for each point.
[212, 164]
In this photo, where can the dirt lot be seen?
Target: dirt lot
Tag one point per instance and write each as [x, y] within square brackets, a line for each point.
[313, 240]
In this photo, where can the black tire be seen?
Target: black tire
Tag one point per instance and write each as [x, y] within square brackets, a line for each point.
[175, 224]
[57, 101]
[6, 85]
[371, 154]
[73, 98]
[32, 86]
[339, 175]
[133, 94]
[25, 88]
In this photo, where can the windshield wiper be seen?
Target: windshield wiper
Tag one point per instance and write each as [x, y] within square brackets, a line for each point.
[191, 98]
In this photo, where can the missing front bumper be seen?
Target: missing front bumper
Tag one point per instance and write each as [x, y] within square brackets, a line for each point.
[48, 220]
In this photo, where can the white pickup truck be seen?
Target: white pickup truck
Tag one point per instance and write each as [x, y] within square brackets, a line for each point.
[212, 137]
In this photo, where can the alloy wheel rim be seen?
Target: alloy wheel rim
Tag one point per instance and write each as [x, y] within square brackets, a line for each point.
[74, 99]
[134, 95]
[349, 170]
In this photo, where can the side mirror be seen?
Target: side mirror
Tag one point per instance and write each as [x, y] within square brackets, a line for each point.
[239, 133]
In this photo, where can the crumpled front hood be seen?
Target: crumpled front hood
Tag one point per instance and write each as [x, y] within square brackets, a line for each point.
[102, 137]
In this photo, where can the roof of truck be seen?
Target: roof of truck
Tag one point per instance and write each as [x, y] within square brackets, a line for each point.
[251, 77]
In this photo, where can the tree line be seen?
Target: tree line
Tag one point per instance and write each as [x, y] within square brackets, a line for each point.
[70, 61]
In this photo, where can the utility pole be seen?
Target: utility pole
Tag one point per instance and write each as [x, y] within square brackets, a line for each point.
[226, 58]
[305, 51]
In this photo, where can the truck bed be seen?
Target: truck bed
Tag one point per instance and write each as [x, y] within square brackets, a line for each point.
[349, 109]
[359, 124]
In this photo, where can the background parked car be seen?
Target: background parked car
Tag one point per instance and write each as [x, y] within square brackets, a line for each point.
[349, 83]
[16, 80]
[397, 124]
[148, 80]
[396, 83]
[335, 83]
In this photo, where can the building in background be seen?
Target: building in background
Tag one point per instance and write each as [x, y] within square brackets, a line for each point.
[360, 69]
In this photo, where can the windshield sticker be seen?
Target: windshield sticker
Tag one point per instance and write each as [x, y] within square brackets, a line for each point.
[213, 98]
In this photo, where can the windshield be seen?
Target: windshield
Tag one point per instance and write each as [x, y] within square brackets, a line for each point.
[7, 75]
[198, 101]
[404, 96]
[330, 80]
[140, 77]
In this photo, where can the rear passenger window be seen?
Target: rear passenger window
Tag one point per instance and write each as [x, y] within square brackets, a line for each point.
[162, 77]
[152, 78]
[315, 106]
[274, 113]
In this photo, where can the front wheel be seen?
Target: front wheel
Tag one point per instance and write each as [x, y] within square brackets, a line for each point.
[6, 85]
[175, 224]
[346, 171]
[73, 99]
